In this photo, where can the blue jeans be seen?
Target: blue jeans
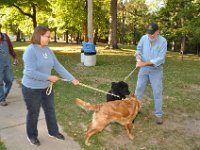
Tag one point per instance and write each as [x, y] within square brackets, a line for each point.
[34, 98]
[6, 80]
[155, 76]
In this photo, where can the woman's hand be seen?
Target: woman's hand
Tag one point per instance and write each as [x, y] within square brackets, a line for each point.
[53, 78]
[75, 82]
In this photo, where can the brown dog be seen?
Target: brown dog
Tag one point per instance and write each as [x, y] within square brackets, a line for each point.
[122, 112]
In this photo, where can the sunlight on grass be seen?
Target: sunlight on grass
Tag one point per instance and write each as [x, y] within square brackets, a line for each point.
[177, 56]
[22, 48]
[72, 48]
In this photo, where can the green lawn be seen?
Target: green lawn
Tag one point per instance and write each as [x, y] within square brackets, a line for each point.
[2, 146]
[181, 128]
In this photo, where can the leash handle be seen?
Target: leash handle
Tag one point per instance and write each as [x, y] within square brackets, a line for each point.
[130, 74]
[49, 88]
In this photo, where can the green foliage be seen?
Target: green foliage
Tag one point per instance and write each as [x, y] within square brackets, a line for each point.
[180, 20]
[177, 19]
[135, 16]
[25, 12]
[2, 146]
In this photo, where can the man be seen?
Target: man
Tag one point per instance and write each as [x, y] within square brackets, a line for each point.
[6, 74]
[150, 56]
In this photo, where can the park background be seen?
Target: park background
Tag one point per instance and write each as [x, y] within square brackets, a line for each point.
[118, 26]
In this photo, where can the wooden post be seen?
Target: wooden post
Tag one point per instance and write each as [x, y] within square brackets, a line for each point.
[90, 21]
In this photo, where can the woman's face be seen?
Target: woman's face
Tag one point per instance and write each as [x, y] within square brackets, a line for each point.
[44, 40]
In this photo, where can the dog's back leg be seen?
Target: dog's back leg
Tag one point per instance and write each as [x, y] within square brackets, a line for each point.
[129, 127]
[94, 127]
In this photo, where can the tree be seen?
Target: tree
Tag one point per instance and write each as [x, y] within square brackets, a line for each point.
[136, 19]
[28, 7]
[178, 21]
[112, 40]
[90, 21]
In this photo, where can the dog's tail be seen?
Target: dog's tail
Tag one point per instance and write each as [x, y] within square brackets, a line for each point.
[86, 105]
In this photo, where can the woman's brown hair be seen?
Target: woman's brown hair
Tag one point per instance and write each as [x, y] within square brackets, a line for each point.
[38, 32]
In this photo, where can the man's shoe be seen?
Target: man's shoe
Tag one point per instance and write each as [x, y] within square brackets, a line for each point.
[3, 103]
[159, 120]
[58, 136]
[34, 141]
[140, 111]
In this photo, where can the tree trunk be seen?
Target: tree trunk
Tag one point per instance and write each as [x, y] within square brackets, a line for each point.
[55, 36]
[182, 46]
[90, 21]
[78, 38]
[85, 29]
[34, 16]
[66, 35]
[198, 49]
[95, 36]
[112, 40]
[123, 23]
[18, 39]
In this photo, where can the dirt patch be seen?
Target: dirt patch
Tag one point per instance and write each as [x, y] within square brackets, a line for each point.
[178, 132]
[119, 141]
[192, 126]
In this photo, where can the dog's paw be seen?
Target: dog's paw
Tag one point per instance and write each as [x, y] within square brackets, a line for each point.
[131, 137]
[87, 143]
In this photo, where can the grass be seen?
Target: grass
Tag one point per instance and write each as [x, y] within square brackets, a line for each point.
[2, 146]
[180, 130]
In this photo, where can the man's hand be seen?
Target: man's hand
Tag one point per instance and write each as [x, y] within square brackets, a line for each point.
[142, 64]
[139, 64]
[15, 62]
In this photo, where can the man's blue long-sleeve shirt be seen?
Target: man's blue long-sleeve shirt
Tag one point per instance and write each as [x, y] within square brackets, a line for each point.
[154, 52]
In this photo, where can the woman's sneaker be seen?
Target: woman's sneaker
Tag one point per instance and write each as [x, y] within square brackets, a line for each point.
[58, 136]
[3, 103]
[34, 141]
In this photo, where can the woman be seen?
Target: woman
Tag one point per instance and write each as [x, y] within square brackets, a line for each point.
[39, 61]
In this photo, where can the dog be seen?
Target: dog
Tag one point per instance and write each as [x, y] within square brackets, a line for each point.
[118, 88]
[122, 112]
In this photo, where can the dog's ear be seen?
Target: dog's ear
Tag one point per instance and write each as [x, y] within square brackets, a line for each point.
[113, 85]
[123, 84]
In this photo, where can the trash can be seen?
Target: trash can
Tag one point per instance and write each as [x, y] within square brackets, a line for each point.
[89, 54]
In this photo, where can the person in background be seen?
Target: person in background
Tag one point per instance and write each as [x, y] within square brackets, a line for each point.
[6, 74]
[39, 60]
[150, 56]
